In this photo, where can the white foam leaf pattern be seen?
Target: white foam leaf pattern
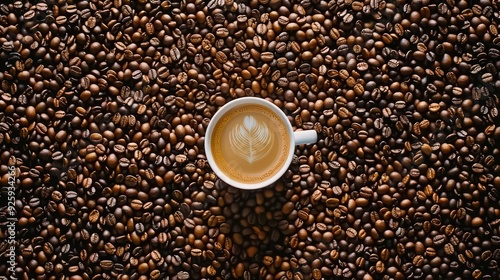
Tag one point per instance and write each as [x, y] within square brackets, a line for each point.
[251, 140]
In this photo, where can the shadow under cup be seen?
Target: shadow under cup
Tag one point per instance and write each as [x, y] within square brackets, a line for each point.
[249, 143]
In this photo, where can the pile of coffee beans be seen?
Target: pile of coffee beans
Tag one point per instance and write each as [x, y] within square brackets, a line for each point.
[104, 106]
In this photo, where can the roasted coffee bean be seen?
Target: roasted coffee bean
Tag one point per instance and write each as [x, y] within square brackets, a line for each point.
[183, 275]
[106, 264]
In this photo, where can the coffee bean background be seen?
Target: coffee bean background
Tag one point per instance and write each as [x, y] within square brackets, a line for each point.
[104, 104]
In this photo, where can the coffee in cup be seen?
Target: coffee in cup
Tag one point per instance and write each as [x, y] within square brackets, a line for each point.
[250, 142]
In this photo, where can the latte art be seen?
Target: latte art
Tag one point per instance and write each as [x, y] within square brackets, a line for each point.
[251, 140]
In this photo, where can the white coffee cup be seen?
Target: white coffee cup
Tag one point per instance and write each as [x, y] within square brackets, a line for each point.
[293, 137]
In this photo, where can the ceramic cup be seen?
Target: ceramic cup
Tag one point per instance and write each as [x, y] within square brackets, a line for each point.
[272, 124]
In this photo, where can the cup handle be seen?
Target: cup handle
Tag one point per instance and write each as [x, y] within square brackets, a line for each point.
[305, 137]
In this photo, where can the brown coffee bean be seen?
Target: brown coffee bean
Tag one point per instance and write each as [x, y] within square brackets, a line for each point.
[434, 107]
[106, 264]
[449, 249]
[183, 275]
[477, 168]
[351, 233]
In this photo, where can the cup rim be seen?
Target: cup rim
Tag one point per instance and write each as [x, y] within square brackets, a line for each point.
[208, 137]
